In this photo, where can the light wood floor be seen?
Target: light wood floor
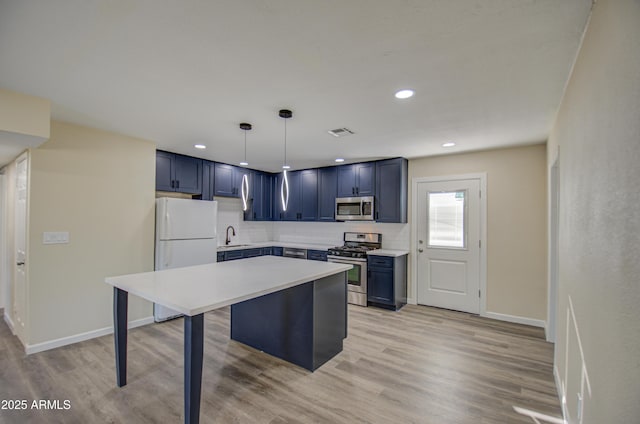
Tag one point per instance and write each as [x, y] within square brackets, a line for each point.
[418, 365]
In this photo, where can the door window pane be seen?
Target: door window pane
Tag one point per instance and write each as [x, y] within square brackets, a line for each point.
[446, 220]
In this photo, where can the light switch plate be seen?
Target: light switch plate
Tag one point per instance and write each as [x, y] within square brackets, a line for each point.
[57, 237]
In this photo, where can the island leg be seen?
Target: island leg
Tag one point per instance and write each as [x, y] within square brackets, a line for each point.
[193, 351]
[120, 307]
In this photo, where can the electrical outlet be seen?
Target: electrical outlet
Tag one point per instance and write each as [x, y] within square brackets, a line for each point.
[57, 237]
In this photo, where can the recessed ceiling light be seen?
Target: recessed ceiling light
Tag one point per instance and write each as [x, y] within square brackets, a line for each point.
[449, 144]
[244, 163]
[404, 94]
[200, 146]
[339, 160]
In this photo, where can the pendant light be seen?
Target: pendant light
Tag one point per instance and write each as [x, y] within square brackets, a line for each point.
[284, 187]
[244, 187]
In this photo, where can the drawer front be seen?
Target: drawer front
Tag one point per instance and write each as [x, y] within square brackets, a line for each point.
[277, 251]
[380, 261]
[267, 251]
[251, 253]
[317, 255]
[220, 256]
[232, 255]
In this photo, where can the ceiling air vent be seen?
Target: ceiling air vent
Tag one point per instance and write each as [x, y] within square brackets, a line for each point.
[340, 132]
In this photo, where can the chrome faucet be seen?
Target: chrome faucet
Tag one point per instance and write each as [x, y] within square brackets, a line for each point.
[228, 240]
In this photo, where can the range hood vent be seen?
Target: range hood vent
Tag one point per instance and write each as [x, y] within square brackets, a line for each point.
[340, 132]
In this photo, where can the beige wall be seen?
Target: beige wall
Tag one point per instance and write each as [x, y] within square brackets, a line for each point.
[100, 187]
[597, 134]
[516, 223]
[24, 114]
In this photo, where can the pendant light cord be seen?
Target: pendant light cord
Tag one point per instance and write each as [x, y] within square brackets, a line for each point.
[285, 142]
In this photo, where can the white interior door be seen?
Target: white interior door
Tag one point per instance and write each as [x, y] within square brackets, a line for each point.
[448, 251]
[20, 241]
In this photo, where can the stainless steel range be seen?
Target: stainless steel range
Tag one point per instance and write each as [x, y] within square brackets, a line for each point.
[354, 252]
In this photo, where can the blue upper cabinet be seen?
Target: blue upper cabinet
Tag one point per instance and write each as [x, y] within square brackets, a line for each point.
[308, 195]
[164, 171]
[228, 180]
[327, 193]
[260, 205]
[178, 173]
[208, 174]
[391, 190]
[303, 196]
[357, 179]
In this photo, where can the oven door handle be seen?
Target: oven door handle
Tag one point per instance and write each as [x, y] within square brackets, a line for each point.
[348, 262]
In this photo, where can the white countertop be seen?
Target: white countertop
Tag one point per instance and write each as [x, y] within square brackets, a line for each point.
[197, 289]
[310, 246]
[388, 252]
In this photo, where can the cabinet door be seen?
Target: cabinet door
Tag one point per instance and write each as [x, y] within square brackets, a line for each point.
[224, 180]
[278, 213]
[233, 255]
[251, 253]
[164, 171]
[346, 181]
[317, 255]
[208, 174]
[188, 174]
[391, 190]
[261, 195]
[293, 208]
[358, 179]
[380, 285]
[365, 174]
[327, 193]
[238, 173]
[308, 204]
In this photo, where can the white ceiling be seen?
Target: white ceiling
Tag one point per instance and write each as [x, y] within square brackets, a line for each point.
[487, 73]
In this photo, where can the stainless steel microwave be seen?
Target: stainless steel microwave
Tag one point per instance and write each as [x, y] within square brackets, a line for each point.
[354, 208]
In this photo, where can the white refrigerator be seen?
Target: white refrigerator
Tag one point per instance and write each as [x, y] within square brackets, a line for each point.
[186, 235]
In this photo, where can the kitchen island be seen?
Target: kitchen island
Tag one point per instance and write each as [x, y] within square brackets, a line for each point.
[291, 308]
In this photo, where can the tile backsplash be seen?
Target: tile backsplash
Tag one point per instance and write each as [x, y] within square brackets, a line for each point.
[394, 236]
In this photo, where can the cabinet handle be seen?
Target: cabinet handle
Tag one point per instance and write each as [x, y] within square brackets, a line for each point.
[353, 190]
[357, 190]
[177, 183]
[173, 183]
[377, 214]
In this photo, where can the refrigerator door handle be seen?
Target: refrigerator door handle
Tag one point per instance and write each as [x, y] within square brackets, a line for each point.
[166, 223]
[167, 255]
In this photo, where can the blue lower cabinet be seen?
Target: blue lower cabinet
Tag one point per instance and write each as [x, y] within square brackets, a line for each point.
[277, 251]
[267, 251]
[252, 253]
[387, 281]
[220, 256]
[317, 255]
[232, 255]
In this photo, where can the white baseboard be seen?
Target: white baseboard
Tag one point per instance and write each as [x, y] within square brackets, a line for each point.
[52, 344]
[503, 317]
[516, 319]
[7, 319]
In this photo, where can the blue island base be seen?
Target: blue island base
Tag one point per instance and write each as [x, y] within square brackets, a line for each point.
[304, 325]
